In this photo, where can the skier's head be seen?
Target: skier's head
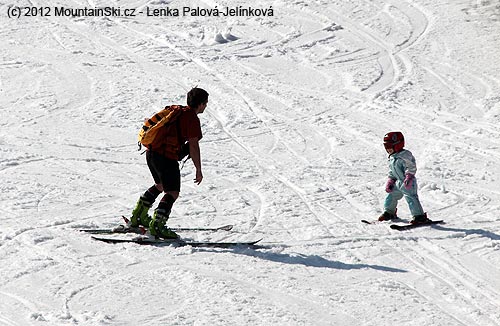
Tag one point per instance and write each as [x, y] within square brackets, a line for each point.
[394, 142]
[196, 97]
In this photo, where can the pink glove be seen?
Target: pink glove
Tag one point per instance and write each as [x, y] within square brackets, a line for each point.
[389, 186]
[408, 182]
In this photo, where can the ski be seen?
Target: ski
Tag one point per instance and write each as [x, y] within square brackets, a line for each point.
[228, 227]
[142, 230]
[177, 242]
[118, 229]
[177, 229]
[372, 221]
[380, 222]
[403, 227]
[126, 229]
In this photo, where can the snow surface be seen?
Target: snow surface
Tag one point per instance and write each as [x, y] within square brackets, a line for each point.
[299, 103]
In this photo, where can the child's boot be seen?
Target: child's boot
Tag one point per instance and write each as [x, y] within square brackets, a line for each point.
[420, 219]
[386, 216]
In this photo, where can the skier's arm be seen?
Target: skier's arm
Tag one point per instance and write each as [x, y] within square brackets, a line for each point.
[194, 151]
[390, 175]
[410, 163]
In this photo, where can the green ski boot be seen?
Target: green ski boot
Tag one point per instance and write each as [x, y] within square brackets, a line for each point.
[158, 227]
[140, 214]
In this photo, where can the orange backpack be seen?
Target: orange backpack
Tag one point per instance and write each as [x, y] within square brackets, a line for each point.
[165, 117]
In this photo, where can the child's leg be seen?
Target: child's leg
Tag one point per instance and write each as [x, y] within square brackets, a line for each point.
[391, 201]
[414, 204]
[411, 197]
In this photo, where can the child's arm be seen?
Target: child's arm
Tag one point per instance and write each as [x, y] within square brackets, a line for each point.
[410, 163]
[410, 169]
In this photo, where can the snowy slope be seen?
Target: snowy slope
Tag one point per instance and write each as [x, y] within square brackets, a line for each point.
[299, 103]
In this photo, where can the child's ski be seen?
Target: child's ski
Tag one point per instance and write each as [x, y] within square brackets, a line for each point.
[403, 227]
[381, 222]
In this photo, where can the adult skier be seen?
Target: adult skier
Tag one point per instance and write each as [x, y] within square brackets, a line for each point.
[162, 158]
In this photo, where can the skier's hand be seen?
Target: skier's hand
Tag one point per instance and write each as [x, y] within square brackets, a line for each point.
[389, 186]
[199, 177]
[408, 182]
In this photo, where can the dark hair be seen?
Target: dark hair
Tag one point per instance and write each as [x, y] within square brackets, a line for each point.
[196, 96]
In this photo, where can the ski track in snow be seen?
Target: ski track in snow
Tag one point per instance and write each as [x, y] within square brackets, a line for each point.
[292, 154]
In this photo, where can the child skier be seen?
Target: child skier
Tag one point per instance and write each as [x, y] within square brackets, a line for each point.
[401, 181]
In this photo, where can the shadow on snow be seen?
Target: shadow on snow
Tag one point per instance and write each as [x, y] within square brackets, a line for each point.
[484, 233]
[316, 261]
[310, 261]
